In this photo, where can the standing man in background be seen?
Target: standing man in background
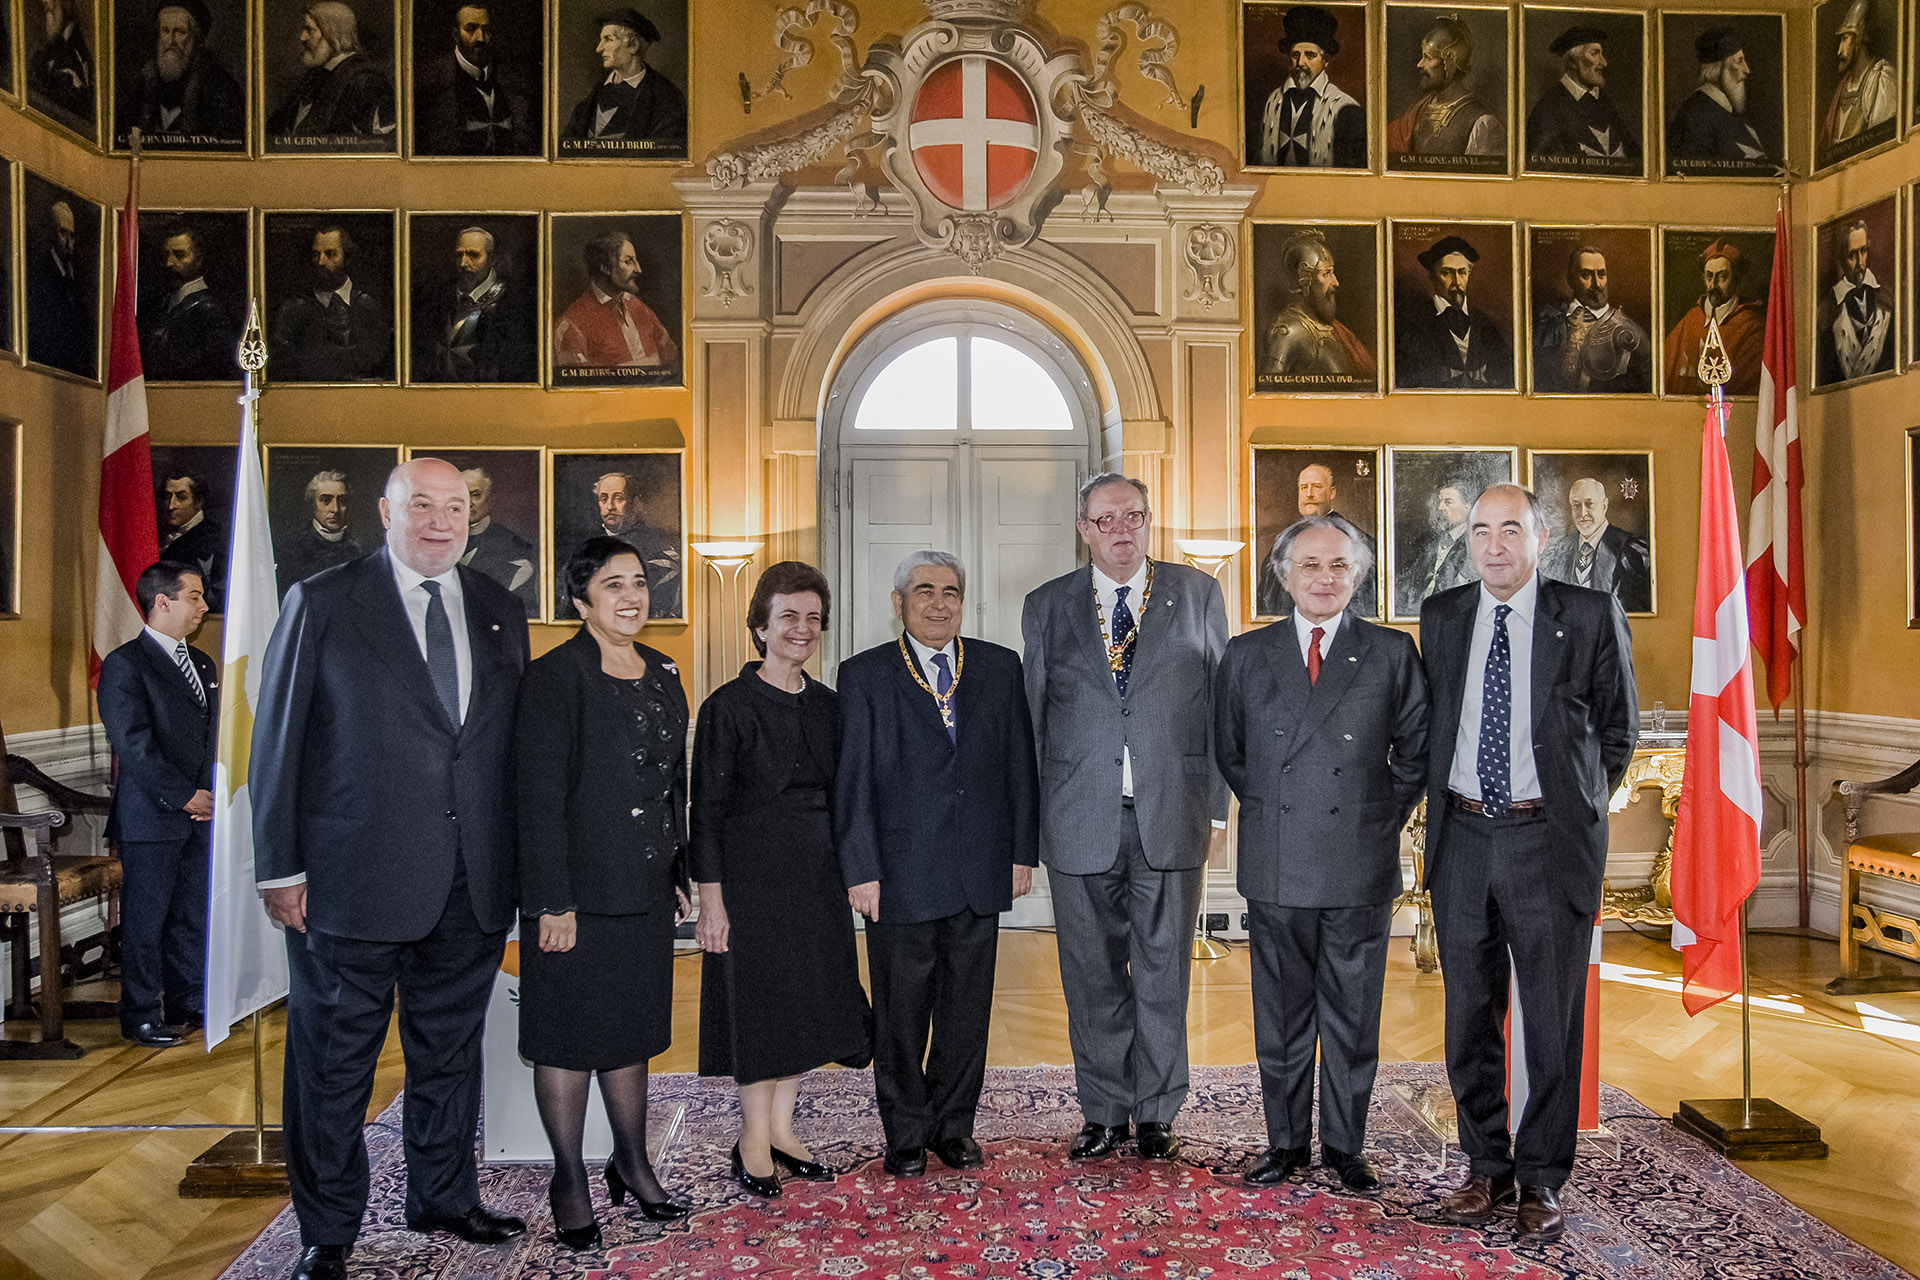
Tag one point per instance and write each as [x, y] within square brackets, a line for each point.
[159, 702]
[1535, 715]
[1120, 664]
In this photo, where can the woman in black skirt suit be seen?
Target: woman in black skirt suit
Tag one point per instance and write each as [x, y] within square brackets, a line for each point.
[601, 786]
[780, 989]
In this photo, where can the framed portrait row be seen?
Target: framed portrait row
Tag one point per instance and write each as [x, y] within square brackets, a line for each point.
[1410, 504]
[1424, 306]
[530, 509]
[357, 297]
[427, 79]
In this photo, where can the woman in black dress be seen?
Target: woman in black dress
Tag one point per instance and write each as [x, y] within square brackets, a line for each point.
[780, 989]
[600, 763]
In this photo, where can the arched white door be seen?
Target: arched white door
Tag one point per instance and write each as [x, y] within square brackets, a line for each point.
[962, 426]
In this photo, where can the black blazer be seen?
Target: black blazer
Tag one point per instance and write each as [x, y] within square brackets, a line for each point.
[940, 825]
[357, 777]
[1586, 718]
[165, 740]
[1326, 772]
[582, 836]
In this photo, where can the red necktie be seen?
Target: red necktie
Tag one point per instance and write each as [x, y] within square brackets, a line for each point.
[1313, 655]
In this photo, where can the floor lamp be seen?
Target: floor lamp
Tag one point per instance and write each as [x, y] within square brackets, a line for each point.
[727, 559]
[1209, 555]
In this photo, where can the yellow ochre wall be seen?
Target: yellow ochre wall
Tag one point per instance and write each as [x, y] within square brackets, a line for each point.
[1857, 638]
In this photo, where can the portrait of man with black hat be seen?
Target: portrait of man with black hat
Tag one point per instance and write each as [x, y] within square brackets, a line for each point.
[173, 85]
[1711, 134]
[1309, 121]
[633, 108]
[1575, 124]
[1442, 341]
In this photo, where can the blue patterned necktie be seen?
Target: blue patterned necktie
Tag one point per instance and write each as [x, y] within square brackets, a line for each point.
[1496, 720]
[442, 665]
[943, 685]
[1122, 624]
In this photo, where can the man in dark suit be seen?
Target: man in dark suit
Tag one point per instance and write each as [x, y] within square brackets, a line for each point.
[935, 811]
[160, 705]
[1122, 655]
[192, 537]
[1443, 561]
[1440, 339]
[1711, 124]
[1575, 126]
[1535, 716]
[337, 329]
[183, 91]
[635, 103]
[497, 551]
[1320, 726]
[1592, 552]
[321, 541]
[61, 69]
[384, 844]
[61, 330]
[468, 101]
[343, 92]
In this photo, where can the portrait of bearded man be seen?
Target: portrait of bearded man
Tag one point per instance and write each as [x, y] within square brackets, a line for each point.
[1449, 123]
[1724, 93]
[1742, 320]
[174, 86]
[342, 99]
[1311, 273]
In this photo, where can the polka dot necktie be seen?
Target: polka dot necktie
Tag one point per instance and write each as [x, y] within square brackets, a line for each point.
[1496, 720]
[1122, 624]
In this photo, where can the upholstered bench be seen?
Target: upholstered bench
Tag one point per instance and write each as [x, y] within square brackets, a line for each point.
[1895, 855]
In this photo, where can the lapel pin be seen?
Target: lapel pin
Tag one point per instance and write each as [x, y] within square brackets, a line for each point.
[496, 626]
[1560, 635]
[1351, 658]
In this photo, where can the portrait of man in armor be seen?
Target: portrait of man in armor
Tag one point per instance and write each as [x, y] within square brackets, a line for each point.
[1856, 83]
[1316, 307]
[1447, 89]
[1591, 291]
[193, 293]
[1304, 68]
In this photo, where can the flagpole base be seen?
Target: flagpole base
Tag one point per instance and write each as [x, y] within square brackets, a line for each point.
[238, 1166]
[1775, 1134]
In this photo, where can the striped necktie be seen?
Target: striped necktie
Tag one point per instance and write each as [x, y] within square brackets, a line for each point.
[182, 661]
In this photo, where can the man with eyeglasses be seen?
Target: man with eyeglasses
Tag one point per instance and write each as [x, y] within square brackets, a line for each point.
[1120, 660]
[1320, 727]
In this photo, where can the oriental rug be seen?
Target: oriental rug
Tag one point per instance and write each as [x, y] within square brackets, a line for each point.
[1645, 1203]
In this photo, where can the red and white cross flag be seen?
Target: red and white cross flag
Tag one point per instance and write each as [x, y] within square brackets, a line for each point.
[1776, 589]
[974, 133]
[1716, 835]
[129, 532]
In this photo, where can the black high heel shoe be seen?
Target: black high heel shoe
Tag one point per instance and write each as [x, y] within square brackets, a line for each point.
[757, 1185]
[653, 1210]
[577, 1239]
[809, 1170]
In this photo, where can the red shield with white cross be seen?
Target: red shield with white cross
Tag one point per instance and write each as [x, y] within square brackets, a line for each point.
[975, 133]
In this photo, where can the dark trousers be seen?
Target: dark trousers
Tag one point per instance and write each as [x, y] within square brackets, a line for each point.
[163, 928]
[1500, 909]
[1318, 975]
[1126, 960]
[338, 1008]
[932, 1003]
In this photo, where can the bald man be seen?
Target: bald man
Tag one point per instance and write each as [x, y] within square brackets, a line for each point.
[384, 847]
[1316, 493]
[1590, 552]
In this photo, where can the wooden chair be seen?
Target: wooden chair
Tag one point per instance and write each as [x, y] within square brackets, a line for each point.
[35, 884]
[1894, 855]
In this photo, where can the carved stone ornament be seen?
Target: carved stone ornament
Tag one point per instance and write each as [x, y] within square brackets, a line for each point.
[971, 117]
[727, 247]
[1210, 252]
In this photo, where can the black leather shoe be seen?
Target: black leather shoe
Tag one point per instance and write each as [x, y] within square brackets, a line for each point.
[192, 1020]
[155, 1035]
[478, 1225]
[752, 1182]
[1540, 1219]
[807, 1170]
[959, 1153]
[1096, 1140]
[1158, 1141]
[322, 1262]
[1277, 1165]
[578, 1239]
[1356, 1172]
[906, 1162]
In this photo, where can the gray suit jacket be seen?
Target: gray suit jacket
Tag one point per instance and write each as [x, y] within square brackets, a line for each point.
[1326, 772]
[1080, 722]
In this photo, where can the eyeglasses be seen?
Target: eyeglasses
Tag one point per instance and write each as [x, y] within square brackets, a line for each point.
[1340, 569]
[1107, 523]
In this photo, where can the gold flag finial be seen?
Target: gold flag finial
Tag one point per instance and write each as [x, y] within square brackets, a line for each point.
[253, 343]
[1715, 369]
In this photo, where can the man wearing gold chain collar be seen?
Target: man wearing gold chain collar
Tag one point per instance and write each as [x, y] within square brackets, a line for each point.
[935, 813]
[1120, 661]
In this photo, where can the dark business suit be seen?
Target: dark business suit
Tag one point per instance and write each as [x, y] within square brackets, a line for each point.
[333, 341]
[402, 823]
[1327, 773]
[941, 825]
[1425, 354]
[1622, 565]
[164, 739]
[1527, 884]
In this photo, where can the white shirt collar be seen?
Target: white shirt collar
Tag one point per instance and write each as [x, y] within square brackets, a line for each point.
[1719, 97]
[484, 285]
[925, 655]
[614, 77]
[1843, 287]
[344, 293]
[473, 72]
[1522, 601]
[1577, 89]
[196, 285]
[198, 516]
[337, 59]
[1316, 85]
[1721, 312]
[408, 578]
[478, 527]
[326, 534]
[1441, 304]
[1107, 586]
[1598, 313]
[1304, 630]
[164, 640]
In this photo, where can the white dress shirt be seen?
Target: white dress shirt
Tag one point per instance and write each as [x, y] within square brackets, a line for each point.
[1525, 777]
[455, 601]
[1304, 630]
[1106, 590]
[172, 647]
[927, 669]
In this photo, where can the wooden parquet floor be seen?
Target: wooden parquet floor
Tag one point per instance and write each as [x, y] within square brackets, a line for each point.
[102, 1206]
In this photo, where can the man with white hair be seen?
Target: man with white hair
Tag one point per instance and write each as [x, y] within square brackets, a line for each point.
[380, 778]
[1711, 127]
[494, 549]
[1593, 552]
[1575, 127]
[184, 97]
[935, 811]
[344, 93]
[477, 326]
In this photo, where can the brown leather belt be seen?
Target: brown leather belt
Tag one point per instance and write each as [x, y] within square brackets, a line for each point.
[1457, 801]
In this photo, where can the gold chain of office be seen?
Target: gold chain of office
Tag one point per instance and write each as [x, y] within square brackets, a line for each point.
[942, 700]
[1117, 649]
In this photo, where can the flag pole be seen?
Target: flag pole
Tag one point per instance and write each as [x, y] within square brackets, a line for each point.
[1798, 677]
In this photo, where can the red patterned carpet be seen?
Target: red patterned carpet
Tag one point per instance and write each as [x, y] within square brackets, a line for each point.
[1649, 1203]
